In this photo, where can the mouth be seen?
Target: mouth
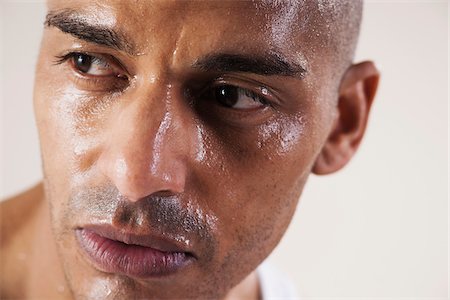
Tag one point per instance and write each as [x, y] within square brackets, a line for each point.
[142, 256]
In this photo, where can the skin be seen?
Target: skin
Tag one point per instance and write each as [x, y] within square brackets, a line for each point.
[139, 144]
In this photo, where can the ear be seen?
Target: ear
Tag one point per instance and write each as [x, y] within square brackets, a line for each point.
[356, 94]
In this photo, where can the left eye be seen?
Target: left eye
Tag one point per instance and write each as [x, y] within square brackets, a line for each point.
[236, 97]
[92, 65]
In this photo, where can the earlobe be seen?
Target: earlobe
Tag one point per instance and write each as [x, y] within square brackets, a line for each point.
[356, 93]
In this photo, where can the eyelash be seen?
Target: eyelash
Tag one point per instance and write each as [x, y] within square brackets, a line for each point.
[63, 58]
[95, 58]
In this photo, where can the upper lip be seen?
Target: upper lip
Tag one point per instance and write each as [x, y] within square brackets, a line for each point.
[162, 243]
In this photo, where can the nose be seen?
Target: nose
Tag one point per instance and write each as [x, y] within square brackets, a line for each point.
[147, 148]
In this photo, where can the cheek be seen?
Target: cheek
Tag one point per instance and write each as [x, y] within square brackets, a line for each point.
[279, 137]
[252, 182]
[69, 139]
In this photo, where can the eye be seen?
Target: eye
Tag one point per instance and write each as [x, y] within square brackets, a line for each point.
[92, 65]
[237, 98]
[94, 72]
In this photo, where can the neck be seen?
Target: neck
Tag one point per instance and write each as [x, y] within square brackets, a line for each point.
[29, 262]
[247, 289]
[45, 258]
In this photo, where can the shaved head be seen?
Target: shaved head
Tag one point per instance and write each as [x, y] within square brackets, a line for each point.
[327, 31]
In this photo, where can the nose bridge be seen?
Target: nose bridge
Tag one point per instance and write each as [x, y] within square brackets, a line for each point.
[160, 142]
[148, 148]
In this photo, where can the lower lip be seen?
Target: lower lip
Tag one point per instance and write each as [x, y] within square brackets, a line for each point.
[132, 260]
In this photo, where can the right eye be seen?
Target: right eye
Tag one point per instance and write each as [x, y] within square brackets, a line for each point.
[95, 72]
[91, 65]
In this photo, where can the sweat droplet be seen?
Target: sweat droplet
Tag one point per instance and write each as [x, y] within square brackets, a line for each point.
[264, 91]
[121, 167]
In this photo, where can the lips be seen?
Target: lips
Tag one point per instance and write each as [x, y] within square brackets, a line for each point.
[142, 256]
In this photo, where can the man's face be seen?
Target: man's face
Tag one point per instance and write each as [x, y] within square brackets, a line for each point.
[189, 128]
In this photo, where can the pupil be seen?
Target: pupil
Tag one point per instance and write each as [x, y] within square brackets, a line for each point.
[227, 95]
[83, 62]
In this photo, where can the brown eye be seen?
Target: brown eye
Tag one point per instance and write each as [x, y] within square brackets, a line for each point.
[92, 65]
[237, 98]
[226, 95]
[83, 62]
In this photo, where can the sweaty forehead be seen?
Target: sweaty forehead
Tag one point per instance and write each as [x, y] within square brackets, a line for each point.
[245, 22]
[300, 30]
[137, 11]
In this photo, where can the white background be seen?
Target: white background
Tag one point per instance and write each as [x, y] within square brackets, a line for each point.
[379, 228]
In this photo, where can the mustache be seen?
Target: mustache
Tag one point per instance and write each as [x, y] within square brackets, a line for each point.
[160, 213]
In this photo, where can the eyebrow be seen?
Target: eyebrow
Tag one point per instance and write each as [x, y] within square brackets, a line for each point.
[266, 65]
[71, 22]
